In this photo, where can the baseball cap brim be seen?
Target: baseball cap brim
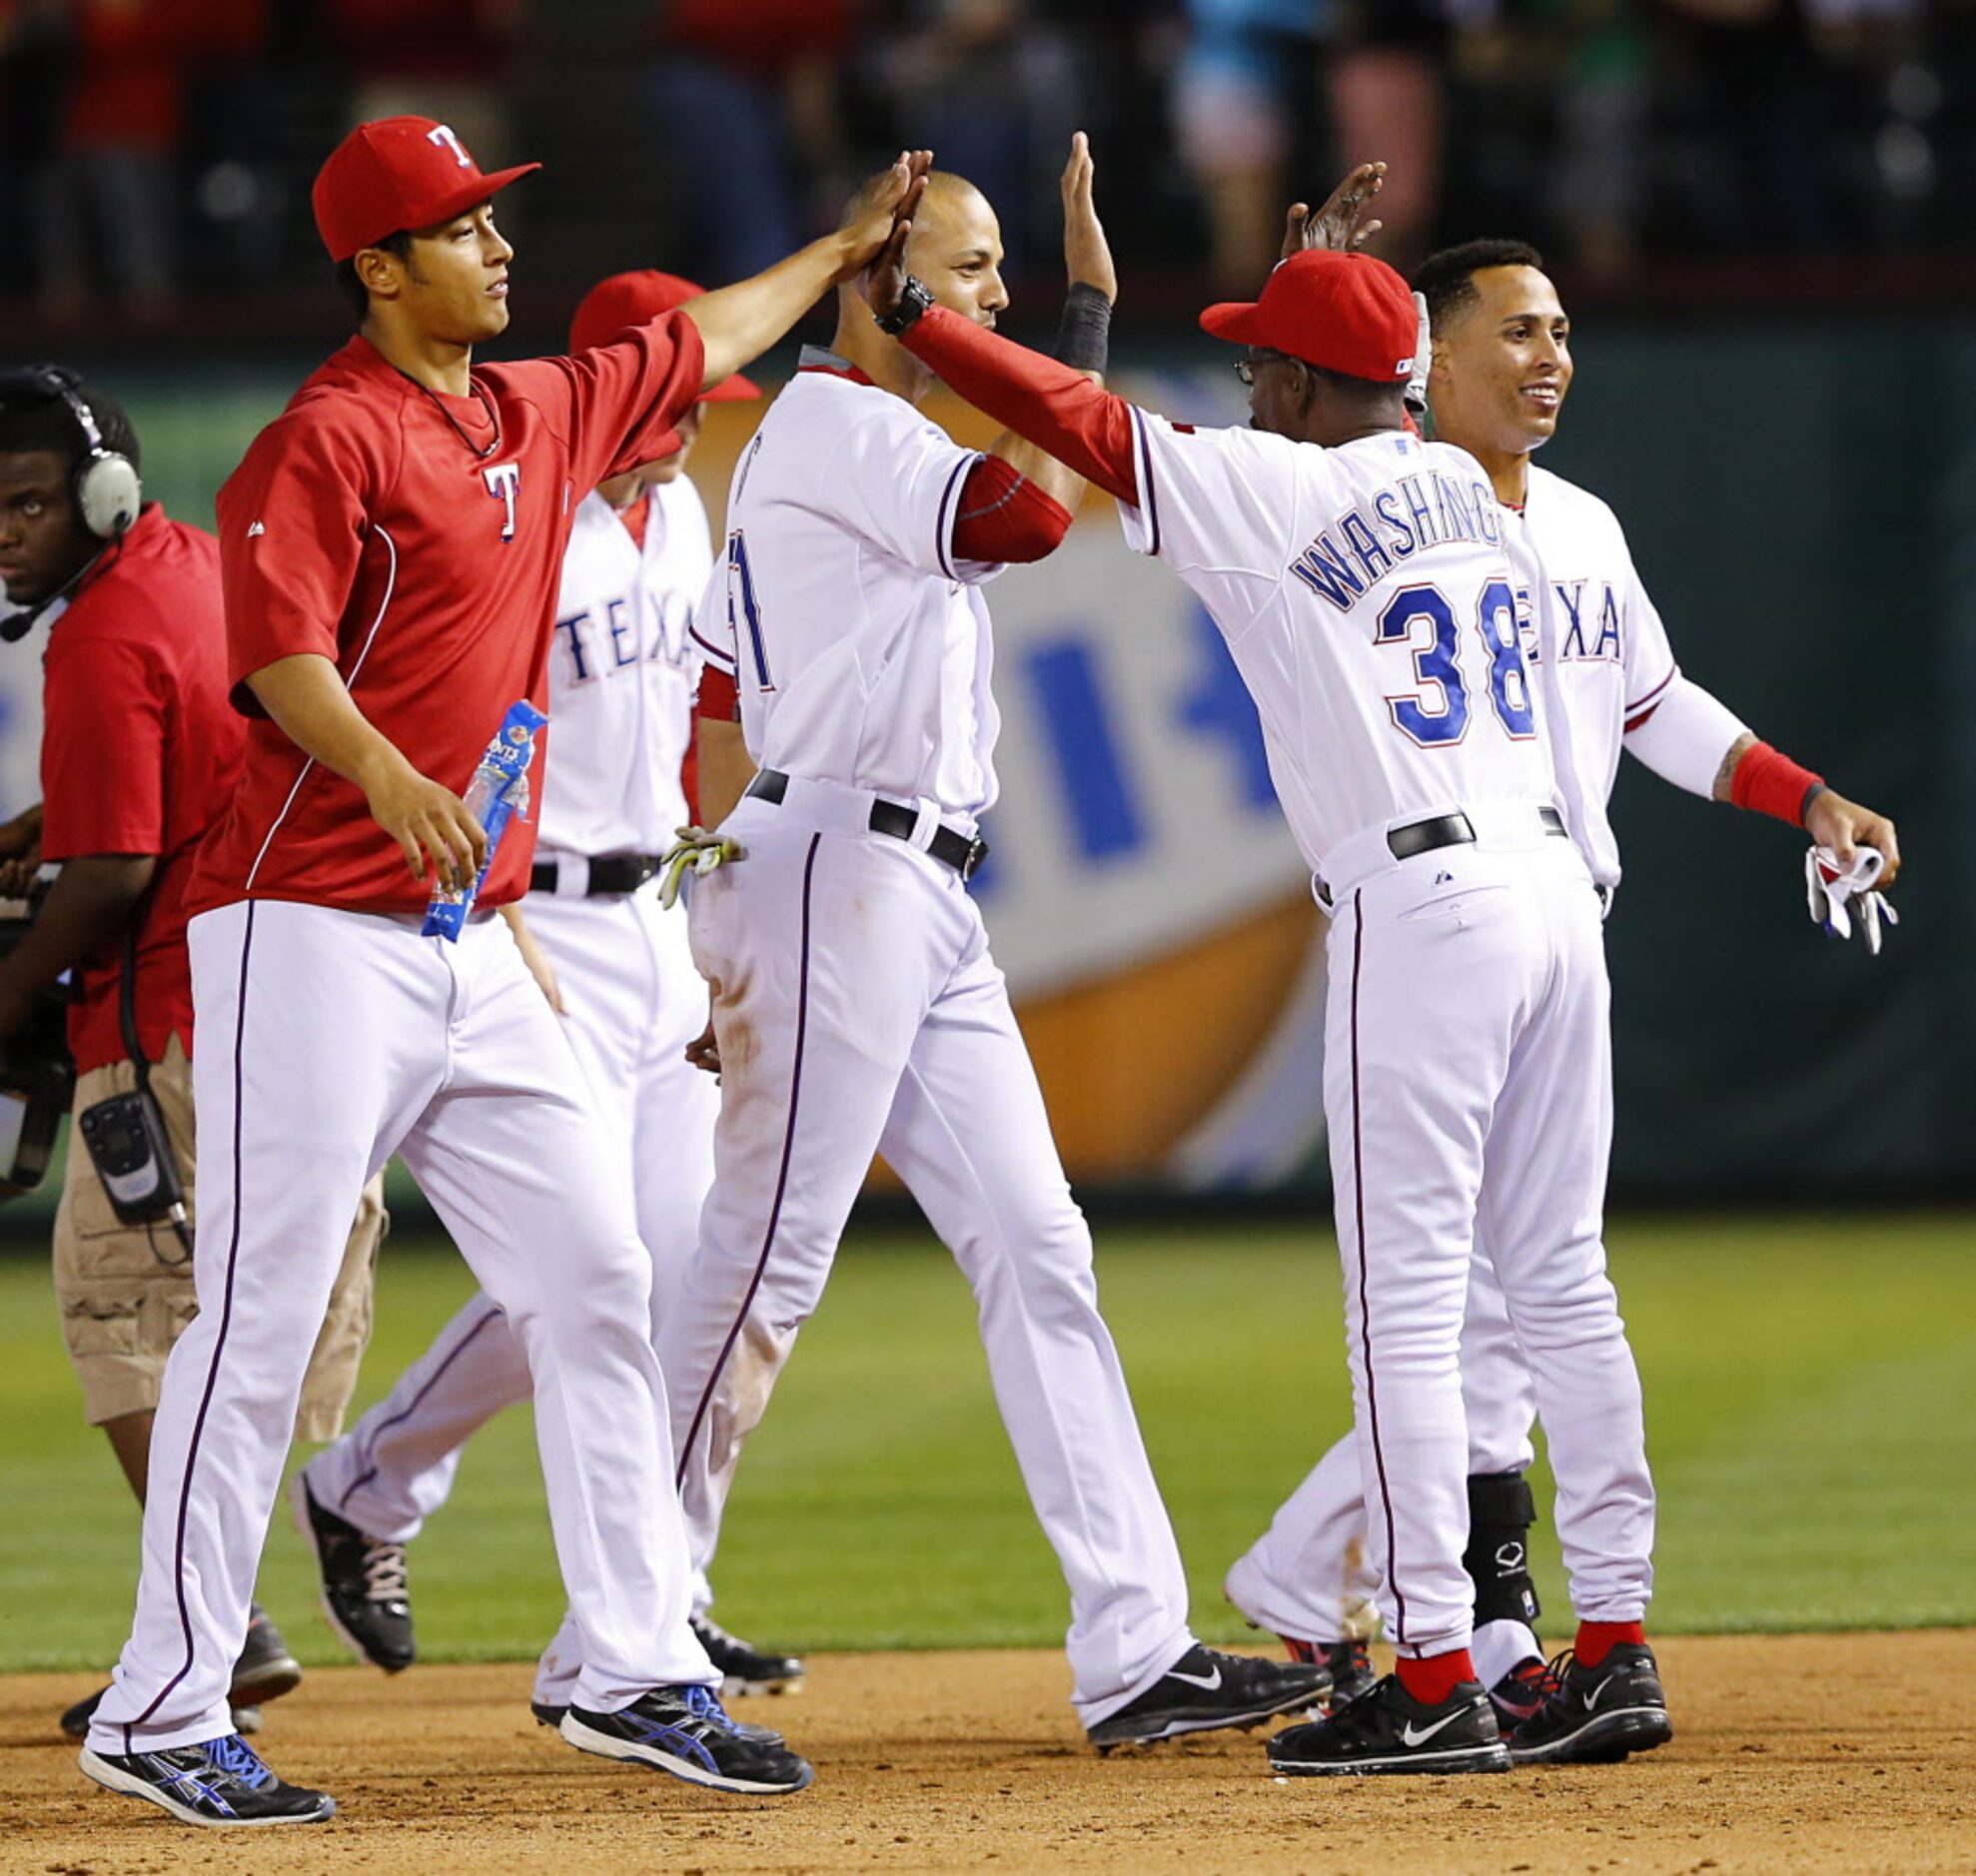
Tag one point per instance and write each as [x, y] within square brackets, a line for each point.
[731, 390]
[472, 195]
[1239, 320]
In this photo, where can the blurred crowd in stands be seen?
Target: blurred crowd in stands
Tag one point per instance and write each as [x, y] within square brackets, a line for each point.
[156, 154]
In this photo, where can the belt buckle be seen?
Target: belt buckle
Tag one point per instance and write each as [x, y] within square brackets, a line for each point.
[977, 851]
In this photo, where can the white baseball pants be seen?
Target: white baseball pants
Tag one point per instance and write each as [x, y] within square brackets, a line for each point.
[857, 1011]
[1468, 1089]
[330, 1040]
[632, 1001]
[1311, 1574]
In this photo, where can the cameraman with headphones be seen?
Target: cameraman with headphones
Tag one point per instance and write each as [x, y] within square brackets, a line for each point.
[140, 752]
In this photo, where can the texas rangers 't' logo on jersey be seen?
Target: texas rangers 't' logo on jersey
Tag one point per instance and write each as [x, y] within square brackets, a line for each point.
[503, 481]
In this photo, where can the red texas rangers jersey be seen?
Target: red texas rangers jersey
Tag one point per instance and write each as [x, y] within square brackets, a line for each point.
[415, 540]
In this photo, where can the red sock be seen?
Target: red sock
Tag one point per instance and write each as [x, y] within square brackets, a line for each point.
[1433, 1680]
[1597, 1639]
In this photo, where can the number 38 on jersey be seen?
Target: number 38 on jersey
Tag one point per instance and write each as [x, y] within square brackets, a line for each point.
[1422, 622]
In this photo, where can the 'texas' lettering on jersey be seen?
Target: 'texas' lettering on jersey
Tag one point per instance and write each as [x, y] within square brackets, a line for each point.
[630, 629]
[1589, 631]
[1409, 515]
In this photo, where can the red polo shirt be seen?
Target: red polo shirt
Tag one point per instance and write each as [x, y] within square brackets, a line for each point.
[140, 753]
[415, 540]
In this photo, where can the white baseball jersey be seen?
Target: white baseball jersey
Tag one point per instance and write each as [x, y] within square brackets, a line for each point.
[858, 1009]
[621, 674]
[1366, 596]
[1308, 1575]
[1371, 607]
[853, 664]
[1612, 656]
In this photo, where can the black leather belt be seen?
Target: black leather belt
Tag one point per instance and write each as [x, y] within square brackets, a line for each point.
[1442, 830]
[611, 874]
[894, 818]
[1453, 831]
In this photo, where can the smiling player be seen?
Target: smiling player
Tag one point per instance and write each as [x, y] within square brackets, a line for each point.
[1502, 367]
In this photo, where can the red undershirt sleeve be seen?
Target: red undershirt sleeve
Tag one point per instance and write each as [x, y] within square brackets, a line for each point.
[718, 698]
[1085, 428]
[1004, 516]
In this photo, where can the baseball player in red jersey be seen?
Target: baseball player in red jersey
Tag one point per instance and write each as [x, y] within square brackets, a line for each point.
[1362, 582]
[390, 550]
[618, 969]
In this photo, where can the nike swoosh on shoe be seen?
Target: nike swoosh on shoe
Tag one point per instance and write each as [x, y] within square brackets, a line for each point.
[1418, 1736]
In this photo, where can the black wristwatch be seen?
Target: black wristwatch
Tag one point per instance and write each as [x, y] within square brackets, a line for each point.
[913, 301]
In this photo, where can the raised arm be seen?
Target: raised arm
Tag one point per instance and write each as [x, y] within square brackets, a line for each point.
[1053, 405]
[739, 322]
[1081, 338]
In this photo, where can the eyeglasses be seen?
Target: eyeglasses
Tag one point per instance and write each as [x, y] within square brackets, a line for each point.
[1245, 368]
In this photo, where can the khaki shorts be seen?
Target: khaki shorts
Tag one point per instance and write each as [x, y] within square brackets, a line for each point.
[126, 1290]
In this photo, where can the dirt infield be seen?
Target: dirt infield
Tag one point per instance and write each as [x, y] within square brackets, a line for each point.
[1835, 1752]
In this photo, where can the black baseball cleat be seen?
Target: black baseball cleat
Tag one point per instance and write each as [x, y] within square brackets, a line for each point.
[1349, 1662]
[1519, 1694]
[219, 1783]
[265, 1671]
[1597, 1715]
[1387, 1730]
[744, 1668]
[1205, 1690]
[684, 1731]
[363, 1582]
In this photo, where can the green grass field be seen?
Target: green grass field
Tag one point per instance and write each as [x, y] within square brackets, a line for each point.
[1811, 1402]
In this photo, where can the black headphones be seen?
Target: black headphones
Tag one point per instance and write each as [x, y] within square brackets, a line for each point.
[104, 483]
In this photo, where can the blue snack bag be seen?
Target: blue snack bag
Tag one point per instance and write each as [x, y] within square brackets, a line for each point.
[498, 792]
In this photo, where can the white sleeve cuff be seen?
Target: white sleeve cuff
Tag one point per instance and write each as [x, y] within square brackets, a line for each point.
[1141, 521]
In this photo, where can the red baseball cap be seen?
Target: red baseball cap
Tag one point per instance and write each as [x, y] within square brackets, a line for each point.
[398, 173]
[1345, 313]
[626, 300]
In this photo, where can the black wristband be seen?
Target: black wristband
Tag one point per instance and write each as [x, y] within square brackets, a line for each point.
[1812, 791]
[913, 302]
[1084, 333]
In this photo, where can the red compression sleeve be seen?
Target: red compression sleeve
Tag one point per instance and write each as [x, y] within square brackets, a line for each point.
[1055, 407]
[1005, 517]
[1771, 783]
[718, 698]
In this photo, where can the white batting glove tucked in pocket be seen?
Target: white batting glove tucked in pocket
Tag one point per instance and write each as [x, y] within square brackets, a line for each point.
[1837, 893]
[695, 851]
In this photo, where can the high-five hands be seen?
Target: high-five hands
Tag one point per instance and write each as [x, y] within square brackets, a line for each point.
[1341, 224]
[1087, 254]
[877, 238]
